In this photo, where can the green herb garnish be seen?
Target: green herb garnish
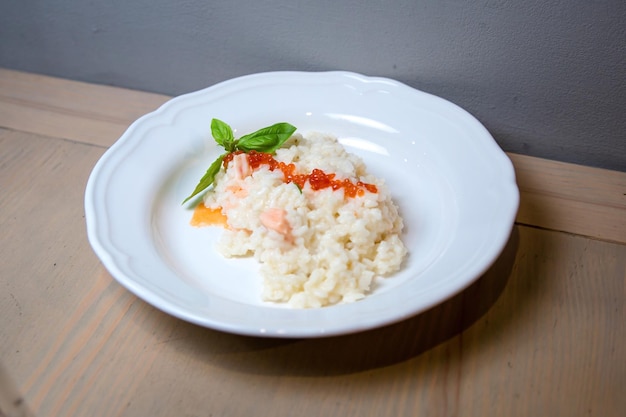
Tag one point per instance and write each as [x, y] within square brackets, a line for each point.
[266, 140]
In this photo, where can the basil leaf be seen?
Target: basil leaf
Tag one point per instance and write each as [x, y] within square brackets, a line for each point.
[223, 134]
[267, 139]
[208, 177]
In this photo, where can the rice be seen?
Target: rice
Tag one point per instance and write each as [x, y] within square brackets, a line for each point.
[315, 247]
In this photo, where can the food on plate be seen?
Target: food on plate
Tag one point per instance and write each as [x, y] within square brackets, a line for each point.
[321, 227]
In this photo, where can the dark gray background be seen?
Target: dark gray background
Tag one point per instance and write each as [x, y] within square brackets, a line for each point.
[547, 78]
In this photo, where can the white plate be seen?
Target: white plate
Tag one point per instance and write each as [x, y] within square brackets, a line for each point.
[455, 187]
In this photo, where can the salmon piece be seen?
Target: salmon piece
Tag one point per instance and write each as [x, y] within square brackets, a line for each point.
[237, 190]
[205, 216]
[276, 219]
[241, 165]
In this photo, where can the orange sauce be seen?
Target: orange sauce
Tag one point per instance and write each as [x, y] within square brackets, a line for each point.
[317, 179]
[204, 216]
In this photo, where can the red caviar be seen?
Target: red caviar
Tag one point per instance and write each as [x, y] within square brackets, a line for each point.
[317, 179]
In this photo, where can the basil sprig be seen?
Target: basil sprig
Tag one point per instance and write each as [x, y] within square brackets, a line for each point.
[266, 140]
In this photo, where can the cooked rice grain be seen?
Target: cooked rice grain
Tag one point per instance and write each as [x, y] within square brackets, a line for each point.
[337, 245]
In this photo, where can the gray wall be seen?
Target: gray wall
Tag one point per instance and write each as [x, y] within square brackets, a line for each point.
[547, 78]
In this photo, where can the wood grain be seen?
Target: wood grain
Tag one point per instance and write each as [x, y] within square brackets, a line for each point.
[70, 110]
[539, 334]
[543, 332]
[571, 198]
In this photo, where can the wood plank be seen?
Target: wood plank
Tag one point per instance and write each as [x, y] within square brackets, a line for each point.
[561, 310]
[73, 110]
[570, 181]
[554, 195]
[571, 198]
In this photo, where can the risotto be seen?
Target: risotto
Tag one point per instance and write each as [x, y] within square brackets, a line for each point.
[320, 226]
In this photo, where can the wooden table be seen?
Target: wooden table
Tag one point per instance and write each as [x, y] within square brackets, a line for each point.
[543, 333]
